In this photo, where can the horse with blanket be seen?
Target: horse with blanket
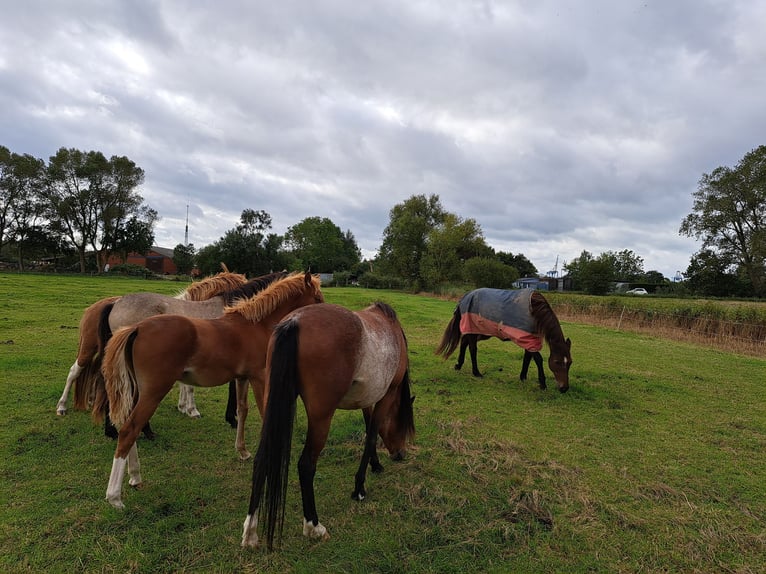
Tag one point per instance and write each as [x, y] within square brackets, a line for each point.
[522, 316]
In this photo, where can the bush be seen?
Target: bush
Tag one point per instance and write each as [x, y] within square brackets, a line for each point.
[486, 272]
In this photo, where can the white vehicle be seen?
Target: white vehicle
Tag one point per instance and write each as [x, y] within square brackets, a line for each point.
[637, 291]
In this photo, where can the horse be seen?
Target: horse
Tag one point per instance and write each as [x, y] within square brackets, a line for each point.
[333, 358]
[204, 299]
[88, 361]
[522, 316]
[142, 362]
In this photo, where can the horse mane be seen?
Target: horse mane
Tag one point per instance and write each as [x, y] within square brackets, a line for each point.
[385, 309]
[267, 301]
[212, 286]
[547, 323]
[252, 287]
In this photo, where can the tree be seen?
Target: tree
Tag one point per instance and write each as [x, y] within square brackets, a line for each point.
[242, 249]
[519, 262]
[711, 275]
[576, 267]
[489, 272]
[321, 246]
[597, 276]
[406, 235]
[21, 208]
[729, 216]
[91, 198]
[448, 246]
[183, 258]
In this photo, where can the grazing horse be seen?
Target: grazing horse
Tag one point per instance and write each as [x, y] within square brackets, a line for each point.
[142, 362]
[334, 359]
[522, 316]
[88, 362]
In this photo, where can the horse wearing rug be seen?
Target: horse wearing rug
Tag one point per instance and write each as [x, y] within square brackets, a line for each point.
[142, 362]
[129, 311]
[522, 316]
[334, 359]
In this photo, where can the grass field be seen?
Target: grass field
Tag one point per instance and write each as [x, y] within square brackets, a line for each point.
[655, 461]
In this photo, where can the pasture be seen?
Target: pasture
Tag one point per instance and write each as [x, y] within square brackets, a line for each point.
[654, 461]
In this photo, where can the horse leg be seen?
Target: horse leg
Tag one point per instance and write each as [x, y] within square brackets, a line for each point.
[371, 438]
[375, 465]
[540, 370]
[461, 355]
[74, 370]
[307, 466]
[231, 405]
[472, 347]
[186, 402]
[242, 408]
[111, 431]
[525, 366]
[126, 454]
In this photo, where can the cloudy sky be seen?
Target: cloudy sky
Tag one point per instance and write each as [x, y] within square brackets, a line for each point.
[559, 126]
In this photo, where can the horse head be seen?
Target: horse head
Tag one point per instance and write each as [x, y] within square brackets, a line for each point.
[560, 361]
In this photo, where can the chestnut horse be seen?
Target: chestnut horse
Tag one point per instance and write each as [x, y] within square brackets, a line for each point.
[128, 311]
[142, 362]
[474, 320]
[334, 359]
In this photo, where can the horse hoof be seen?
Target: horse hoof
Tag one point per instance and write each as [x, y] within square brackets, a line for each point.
[376, 468]
[318, 531]
[244, 455]
[358, 496]
[117, 503]
[61, 412]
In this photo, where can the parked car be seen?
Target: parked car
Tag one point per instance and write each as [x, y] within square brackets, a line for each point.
[637, 291]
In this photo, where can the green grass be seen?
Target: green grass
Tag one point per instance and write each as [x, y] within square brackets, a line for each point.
[653, 462]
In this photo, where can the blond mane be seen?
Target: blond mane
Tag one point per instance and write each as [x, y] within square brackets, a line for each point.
[212, 286]
[267, 301]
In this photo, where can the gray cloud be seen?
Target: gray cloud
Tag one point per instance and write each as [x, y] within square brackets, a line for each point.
[558, 128]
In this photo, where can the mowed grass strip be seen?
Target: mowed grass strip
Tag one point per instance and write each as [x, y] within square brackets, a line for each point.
[653, 462]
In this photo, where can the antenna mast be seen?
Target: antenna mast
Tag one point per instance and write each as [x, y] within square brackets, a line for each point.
[186, 232]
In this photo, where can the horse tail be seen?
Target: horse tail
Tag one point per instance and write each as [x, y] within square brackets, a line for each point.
[451, 337]
[119, 377]
[406, 417]
[272, 461]
[89, 384]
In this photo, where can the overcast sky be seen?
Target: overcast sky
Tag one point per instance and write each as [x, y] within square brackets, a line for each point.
[559, 126]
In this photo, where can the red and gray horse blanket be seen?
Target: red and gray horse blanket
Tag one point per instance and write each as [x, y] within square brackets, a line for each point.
[503, 314]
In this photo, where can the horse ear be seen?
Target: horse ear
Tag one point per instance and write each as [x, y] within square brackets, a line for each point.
[307, 277]
[412, 400]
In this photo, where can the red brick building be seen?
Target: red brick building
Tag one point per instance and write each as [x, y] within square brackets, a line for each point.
[157, 260]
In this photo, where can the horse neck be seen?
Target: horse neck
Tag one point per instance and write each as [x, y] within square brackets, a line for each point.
[547, 323]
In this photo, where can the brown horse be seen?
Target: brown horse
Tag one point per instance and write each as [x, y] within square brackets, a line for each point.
[523, 316]
[334, 359]
[123, 312]
[142, 362]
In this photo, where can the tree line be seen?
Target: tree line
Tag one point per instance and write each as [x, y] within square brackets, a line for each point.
[83, 204]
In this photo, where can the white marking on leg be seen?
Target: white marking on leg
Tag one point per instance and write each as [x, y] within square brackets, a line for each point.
[74, 370]
[186, 402]
[134, 466]
[250, 532]
[317, 531]
[114, 488]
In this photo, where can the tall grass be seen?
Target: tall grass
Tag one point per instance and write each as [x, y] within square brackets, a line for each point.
[653, 462]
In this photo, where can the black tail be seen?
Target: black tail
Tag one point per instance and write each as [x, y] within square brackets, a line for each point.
[405, 416]
[272, 461]
[451, 338]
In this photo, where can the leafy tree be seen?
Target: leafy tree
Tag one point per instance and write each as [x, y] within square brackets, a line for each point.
[242, 249]
[91, 198]
[137, 235]
[21, 210]
[448, 245]
[489, 272]
[712, 275]
[729, 216]
[183, 258]
[597, 276]
[321, 245]
[519, 262]
[625, 264]
[406, 235]
[576, 267]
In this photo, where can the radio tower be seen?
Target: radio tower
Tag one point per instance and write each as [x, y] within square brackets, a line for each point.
[186, 232]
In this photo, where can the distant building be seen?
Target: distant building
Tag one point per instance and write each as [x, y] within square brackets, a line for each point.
[531, 283]
[157, 260]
